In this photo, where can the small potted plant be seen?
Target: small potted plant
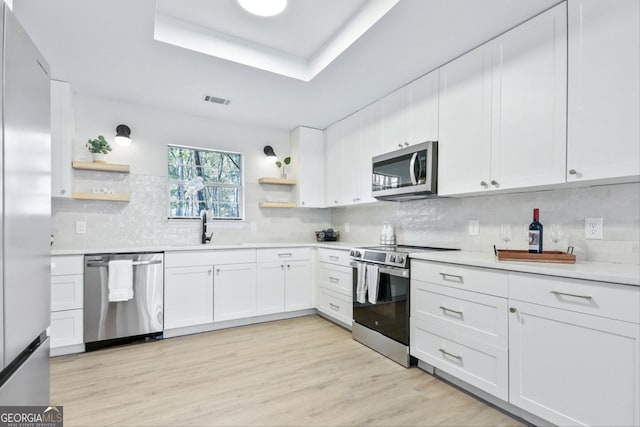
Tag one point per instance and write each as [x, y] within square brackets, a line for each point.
[99, 147]
[286, 161]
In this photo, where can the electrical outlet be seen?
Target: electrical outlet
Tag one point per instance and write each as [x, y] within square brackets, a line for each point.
[593, 228]
[474, 227]
[81, 227]
[346, 227]
[253, 226]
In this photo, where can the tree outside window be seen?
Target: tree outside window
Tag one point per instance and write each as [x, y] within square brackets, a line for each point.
[201, 179]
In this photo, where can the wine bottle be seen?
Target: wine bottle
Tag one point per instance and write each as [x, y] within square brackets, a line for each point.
[535, 233]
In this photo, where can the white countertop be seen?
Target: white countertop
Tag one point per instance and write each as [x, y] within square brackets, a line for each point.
[628, 274]
[206, 247]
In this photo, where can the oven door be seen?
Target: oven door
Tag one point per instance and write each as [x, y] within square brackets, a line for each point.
[389, 315]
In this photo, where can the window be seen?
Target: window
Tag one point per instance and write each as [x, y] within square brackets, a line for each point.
[202, 179]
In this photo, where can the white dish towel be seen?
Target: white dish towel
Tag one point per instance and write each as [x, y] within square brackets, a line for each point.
[361, 283]
[120, 280]
[373, 280]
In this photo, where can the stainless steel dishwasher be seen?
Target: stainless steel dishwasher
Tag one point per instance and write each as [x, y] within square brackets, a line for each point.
[107, 323]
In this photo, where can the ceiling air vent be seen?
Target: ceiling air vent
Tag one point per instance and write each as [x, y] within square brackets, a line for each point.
[216, 100]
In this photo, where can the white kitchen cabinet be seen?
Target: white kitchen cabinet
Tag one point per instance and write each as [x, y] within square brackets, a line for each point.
[333, 165]
[298, 287]
[66, 329]
[422, 114]
[604, 90]
[270, 293]
[284, 280]
[334, 291]
[572, 368]
[67, 303]
[350, 143]
[528, 137]
[371, 145]
[394, 119]
[307, 166]
[188, 296]
[234, 291]
[574, 350]
[503, 111]
[62, 136]
[459, 323]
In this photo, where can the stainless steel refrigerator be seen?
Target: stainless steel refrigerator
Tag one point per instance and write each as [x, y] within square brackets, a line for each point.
[25, 211]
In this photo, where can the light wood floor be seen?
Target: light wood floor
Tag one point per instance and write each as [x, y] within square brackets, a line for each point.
[298, 372]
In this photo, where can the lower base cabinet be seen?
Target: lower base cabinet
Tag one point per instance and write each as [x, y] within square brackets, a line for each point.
[66, 328]
[573, 368]
[234, 295]
[336, 306]
[188, 296]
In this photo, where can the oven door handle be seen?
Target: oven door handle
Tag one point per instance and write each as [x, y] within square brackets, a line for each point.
[398, 272]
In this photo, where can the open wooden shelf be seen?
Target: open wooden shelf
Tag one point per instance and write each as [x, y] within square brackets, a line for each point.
[277, 204]
[99, 196]
[277, 181]
[100, 167]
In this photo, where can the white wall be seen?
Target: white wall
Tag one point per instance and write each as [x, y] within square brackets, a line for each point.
[143, 221]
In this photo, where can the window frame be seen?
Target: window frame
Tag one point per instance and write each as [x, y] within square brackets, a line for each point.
[241, 186]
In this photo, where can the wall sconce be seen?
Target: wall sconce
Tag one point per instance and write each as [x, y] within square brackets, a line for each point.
[123, 135]
[271, 155]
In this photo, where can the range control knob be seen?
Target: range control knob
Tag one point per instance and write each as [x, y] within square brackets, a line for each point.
[392, 258]
[355, 254]
[400, 259]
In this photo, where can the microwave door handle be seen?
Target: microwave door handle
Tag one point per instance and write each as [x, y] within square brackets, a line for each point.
[412, 169]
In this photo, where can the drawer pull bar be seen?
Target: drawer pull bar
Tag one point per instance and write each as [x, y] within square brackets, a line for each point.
[449, 354]
[445, 275]
[106, 264]
[334, 279]
[285, 254]
[452, 311]
[334, 307]
[334, 257]
[571, 295]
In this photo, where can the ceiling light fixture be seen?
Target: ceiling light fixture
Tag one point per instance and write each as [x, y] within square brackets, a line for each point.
[123, 135]
[271, 155]
[263, 7]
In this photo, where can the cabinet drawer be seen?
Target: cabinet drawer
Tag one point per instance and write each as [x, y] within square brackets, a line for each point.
[477, 316]
[483, 280]
[283, 254]
[66, 328]
[66, 292]
[336, 278]
[480, 365]
[335, 305]
[209, 257]
[610, 300]
[72, 264]
[334, 256]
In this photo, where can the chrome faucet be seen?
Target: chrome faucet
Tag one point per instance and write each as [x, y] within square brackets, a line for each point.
[204, 239]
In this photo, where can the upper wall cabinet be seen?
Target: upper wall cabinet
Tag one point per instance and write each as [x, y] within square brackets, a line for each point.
[506, 98]
[307, 166]
[62, 135]
[604, 90]
[410, 114]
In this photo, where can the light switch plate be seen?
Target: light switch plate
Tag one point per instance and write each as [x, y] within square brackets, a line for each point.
[346, 227]
[593, 228]
[474, 227]
[81, 227]
[253, 226]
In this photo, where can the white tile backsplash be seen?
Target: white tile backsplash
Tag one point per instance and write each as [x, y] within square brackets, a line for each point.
[444, 221]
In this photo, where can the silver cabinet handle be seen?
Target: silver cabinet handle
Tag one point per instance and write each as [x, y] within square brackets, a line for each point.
[63, 191]
[334, 258]
[443, 351]
[334, 279]
[285, 254]
[484, 184]
[494, 182]
[400, 145]
[217, 271]
[572, 172]
[334, 307]
[512, 310]
[445, 275]
[452, 311]
[288, 266]
[406, 144]
[210, 271]
[135, 263]
[571, 295]
[282, 266]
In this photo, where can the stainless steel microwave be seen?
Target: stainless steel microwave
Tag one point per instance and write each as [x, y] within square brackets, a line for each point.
[406, 174]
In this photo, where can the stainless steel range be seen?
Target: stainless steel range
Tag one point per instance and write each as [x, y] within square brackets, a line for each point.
[381, 298]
